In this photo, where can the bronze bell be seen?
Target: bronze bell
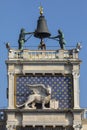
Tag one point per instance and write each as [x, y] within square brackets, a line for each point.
[42, 29]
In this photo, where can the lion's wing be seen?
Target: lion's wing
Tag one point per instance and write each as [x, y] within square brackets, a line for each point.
[38, 88]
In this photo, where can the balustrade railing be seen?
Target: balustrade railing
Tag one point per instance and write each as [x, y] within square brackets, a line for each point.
[42, 54]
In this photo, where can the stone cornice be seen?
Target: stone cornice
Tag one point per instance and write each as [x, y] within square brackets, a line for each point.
[44, 62]
[43, 111]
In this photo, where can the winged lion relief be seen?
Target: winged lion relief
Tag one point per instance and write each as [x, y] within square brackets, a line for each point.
[40, 94]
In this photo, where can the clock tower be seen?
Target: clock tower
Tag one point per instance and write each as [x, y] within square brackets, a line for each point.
[43, 84]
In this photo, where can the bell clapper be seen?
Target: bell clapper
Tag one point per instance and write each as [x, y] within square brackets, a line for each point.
[42, 45]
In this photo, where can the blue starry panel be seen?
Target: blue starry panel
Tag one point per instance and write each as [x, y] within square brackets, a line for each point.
[61, 86]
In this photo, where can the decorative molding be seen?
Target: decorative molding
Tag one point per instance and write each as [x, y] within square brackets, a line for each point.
[10, 127]
[75, 74]
[11, 73]
[77, 126]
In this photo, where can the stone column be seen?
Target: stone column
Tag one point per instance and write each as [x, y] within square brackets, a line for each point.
[11, 90]
[76, 76]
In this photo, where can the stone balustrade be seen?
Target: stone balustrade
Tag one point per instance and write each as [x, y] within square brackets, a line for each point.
[42, 54]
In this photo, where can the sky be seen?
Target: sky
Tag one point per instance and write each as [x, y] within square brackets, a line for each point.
[68, 15]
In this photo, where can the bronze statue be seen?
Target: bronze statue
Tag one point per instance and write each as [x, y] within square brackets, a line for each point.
[21, 39]
[61, 39]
